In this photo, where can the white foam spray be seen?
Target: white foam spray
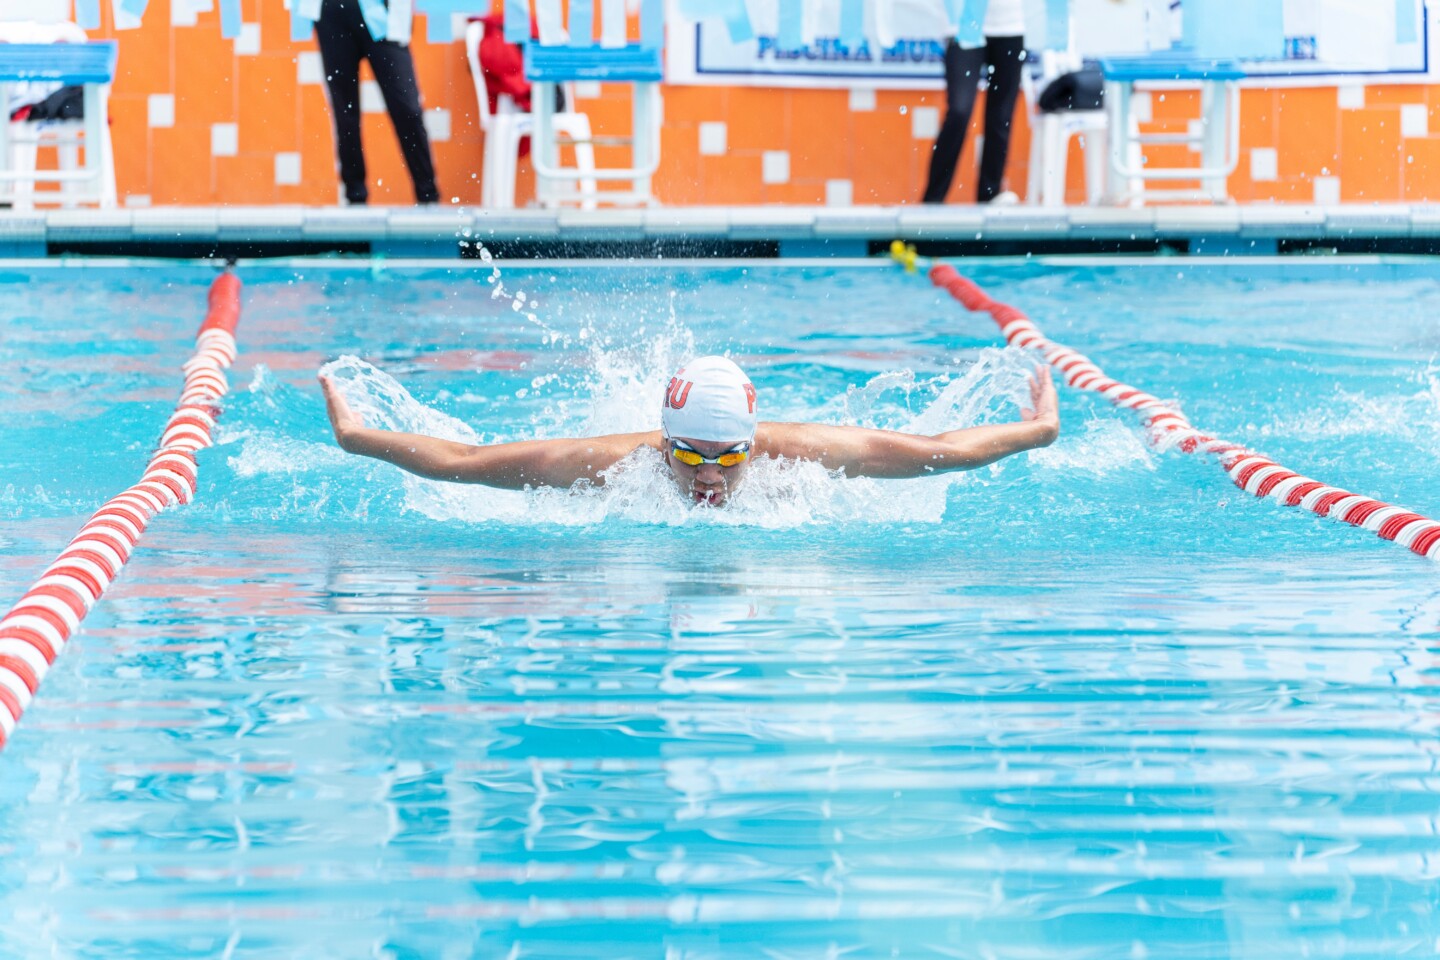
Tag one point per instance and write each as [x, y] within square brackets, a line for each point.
[616, 389]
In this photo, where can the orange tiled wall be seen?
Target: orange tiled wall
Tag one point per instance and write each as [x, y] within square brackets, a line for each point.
[279, 150]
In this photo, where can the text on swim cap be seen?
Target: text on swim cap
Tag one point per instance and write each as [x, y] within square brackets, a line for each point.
[679, 391]
[750, 396]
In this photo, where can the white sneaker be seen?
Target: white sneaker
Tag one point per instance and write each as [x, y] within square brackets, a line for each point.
[1006, 199]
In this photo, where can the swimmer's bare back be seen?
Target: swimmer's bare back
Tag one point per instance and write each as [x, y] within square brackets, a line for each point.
[857, 451]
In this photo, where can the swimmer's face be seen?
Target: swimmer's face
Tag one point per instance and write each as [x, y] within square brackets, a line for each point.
[707, 483]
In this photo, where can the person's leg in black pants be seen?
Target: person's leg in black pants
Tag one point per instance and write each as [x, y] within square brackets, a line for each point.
[340, 33]
[962, 78]
[395, 73]
[1005, 56]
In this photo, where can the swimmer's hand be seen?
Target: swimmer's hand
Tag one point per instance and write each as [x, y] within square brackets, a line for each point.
[1044, 408]
[511, 466]
[889, 454]
[344, 421]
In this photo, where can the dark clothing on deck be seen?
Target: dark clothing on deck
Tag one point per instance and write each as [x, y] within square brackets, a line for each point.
[963, 71]
[344, 41]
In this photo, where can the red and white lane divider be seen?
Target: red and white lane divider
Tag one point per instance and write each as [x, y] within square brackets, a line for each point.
[1168, 427]
[35, 630]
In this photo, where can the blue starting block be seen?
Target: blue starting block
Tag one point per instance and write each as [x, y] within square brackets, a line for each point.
[87, 65]
[636, 64]
[69, 63]
[1218, 139]
[628, 64]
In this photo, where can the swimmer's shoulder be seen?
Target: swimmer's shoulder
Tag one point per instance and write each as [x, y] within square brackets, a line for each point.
[787, 440]
[597, 455]
[621, 445]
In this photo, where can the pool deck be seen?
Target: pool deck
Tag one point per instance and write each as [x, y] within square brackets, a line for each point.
[785, 231]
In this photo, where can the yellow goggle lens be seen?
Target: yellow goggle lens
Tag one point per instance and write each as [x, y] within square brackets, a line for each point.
[692, 458]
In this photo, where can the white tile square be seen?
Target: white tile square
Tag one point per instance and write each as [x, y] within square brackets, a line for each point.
[1264, 164]
[1195, 130]
[1327, 191]
[248, 43]
[137, 200]
[437, 124]
[1142, 108]
[309, 68]
[224, 139]
[1414, 120]
[183, 13]
[587, 90]
[925, 123]
[1351, 96]
[370, 99]
[287, 169]
[123, 20]
[775, 166]
[839, 193]
[712, 138]
[160, 110]
[862, 99]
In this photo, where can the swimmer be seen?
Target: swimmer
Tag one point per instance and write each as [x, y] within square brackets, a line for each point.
[709, 435]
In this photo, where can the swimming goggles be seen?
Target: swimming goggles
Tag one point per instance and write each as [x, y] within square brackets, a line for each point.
[735, 456]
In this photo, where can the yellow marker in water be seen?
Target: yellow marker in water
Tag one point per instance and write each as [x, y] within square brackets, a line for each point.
[904, 254]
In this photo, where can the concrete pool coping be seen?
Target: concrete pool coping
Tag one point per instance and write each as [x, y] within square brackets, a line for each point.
[737, 232]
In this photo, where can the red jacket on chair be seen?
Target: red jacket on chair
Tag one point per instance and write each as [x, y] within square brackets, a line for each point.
[503, 65]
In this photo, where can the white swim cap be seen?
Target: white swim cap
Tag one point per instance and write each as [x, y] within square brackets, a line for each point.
[709, 399]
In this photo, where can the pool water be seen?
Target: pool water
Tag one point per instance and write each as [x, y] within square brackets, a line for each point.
[1093, 701]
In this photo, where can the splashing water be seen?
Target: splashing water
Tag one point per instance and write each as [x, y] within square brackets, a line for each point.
[622, 386]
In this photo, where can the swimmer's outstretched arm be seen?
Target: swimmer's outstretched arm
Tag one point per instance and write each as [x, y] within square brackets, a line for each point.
[512, 466]
[888, 454]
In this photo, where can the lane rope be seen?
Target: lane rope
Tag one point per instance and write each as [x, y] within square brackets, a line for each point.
[37, 628]
[1167, 428]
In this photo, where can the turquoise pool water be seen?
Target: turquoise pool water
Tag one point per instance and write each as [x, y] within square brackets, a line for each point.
[1091, 702]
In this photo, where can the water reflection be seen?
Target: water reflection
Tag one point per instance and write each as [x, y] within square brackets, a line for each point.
[666, 745]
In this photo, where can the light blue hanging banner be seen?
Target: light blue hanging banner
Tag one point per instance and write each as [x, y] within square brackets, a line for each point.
[652, 24]
[614, 27]
[229, 19]
[1057, 24]
[550, 23]
[376, 17]
[399, 23]
[300, 25]
[134, 7]
[439, 27]
[737, 21]
[582, 23]
[517, 21]
[970, 30]
[1405, 29]
[852, 23]
[87, 14]
[733, 12]
[791, 33]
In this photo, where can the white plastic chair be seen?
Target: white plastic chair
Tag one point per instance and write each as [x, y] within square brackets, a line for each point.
[66, 136]
[508, 125]
[1050, 135]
